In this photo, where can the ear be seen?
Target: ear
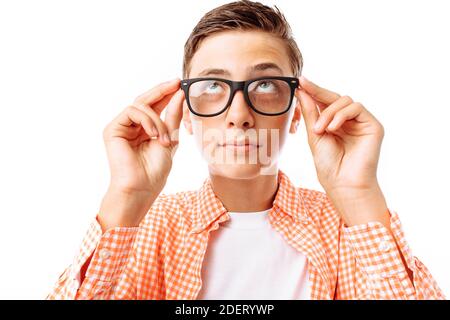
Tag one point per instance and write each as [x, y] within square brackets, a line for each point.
[296, 118]
[187, 118]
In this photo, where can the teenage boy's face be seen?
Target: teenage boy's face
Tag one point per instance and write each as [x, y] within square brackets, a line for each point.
[236, 53]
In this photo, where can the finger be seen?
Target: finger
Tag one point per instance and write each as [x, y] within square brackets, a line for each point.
[318, 93]
[161, 104]
[328, 113]
[158, 93]
[309, 112]
[133, 116]
[354, 111]
[174, 114]
[161, 127]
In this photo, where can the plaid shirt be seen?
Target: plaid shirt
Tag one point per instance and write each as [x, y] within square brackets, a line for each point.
[162, 258]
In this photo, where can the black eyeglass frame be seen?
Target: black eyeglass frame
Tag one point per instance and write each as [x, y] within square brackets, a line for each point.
[239, 85]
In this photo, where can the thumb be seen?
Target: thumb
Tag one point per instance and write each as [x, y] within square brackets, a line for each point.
[174, 114]
[310, 114]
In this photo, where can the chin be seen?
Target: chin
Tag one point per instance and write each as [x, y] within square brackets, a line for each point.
[242, 171]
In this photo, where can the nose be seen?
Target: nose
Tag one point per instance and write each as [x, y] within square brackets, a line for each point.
[239, 114]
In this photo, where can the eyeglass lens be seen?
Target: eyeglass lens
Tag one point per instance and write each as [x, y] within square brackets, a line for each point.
[266, 95]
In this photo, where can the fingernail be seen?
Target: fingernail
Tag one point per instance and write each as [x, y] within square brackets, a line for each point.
[166, 138]
[317, 126]
[171, 81]
[154, 132]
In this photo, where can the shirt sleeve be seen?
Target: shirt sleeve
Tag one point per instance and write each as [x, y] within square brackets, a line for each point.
[379, 272]
[111, 268]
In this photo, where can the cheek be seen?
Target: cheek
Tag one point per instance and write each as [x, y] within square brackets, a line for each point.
[206, 134]
[277, 129]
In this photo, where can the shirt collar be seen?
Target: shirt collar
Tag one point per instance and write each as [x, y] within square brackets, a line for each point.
[209, 208]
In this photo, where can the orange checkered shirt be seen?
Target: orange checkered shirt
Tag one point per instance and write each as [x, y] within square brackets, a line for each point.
[162, 258]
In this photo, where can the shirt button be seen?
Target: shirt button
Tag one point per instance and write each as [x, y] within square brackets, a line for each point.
[104, 254]
[385, 246]
[99, 294]
[76, 280]
[418, 263]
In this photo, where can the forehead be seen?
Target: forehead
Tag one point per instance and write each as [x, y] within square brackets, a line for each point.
[238, 51]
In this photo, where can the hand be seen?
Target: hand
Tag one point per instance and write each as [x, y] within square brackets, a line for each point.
[140, 147]
[345, 138]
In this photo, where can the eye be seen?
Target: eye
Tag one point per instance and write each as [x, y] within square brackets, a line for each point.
[214, 87]
[266, 86]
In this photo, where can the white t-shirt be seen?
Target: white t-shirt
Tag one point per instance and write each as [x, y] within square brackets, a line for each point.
[247, 258]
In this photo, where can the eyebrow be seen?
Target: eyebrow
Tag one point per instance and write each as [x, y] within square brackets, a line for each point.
[258, 67]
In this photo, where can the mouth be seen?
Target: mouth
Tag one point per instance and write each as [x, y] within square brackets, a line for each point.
[243, 147]
[240, 145]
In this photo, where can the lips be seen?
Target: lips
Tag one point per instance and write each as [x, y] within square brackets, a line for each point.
[239, 143]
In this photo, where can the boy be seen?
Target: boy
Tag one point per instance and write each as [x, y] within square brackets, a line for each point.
[248, 232]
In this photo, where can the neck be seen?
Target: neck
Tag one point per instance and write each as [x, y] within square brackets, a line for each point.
[245, 195]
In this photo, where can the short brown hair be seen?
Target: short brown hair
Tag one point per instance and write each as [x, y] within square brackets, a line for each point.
[243, 15]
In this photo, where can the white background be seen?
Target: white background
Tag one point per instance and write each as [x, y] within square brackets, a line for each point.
[67, 68]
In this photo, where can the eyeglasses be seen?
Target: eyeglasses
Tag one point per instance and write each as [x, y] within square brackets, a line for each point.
[209, 97]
